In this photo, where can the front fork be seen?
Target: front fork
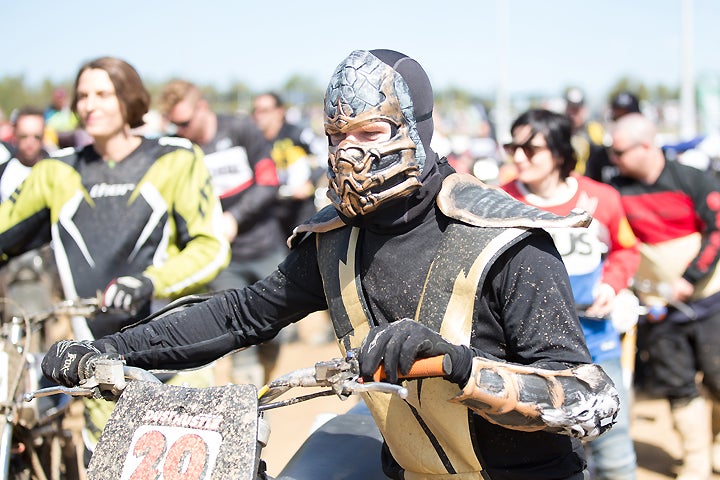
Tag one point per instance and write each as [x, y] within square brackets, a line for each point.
[6, 420]
[10, 362]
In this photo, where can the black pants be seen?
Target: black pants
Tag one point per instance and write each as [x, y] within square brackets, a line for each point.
[671, 354]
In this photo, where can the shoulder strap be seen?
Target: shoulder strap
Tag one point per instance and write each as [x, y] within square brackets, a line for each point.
[337, 259]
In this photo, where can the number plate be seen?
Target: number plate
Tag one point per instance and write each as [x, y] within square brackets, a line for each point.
[169, 432]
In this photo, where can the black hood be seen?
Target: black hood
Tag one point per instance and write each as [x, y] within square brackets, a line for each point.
[406, 212]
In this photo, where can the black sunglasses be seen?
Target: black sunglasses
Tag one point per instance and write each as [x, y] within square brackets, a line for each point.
[620, 153]
[528, 149]
[187, 122]
[184, 124]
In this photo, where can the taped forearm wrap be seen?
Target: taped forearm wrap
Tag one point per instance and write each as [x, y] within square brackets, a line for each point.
[581, 402]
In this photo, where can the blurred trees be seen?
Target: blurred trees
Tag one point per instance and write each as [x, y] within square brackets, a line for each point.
[299, 90]
[652, 94]
[14, 93]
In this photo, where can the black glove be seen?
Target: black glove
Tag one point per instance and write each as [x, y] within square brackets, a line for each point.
[398, 344]
[69, 362]
[128, 293]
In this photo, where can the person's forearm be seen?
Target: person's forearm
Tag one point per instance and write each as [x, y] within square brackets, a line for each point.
[189, 338]
[580, 402]
[227, 321]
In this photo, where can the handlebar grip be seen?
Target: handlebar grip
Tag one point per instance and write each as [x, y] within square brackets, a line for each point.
[438, 366]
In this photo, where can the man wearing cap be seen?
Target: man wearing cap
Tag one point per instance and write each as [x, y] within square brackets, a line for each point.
[599, 167]
[587, 135]
[622, 104]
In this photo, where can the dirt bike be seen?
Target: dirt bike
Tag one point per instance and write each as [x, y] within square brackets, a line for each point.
[177, 432]
[34, 442]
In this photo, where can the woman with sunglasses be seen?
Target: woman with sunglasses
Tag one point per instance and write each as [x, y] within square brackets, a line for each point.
[600, 259]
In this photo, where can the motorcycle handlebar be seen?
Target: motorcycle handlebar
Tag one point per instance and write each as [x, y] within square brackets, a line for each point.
[438, 366]
[340, 374]
[106, 378]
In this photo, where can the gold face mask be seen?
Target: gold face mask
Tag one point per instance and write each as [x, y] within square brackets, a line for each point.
[361, 178]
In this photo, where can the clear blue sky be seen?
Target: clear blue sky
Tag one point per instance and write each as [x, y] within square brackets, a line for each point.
[552, 43]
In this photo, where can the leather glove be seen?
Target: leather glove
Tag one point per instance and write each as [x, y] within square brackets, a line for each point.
[70, 362]
[398, 344]
[128, 293]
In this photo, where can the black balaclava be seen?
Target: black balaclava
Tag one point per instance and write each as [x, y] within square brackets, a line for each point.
[392, 184]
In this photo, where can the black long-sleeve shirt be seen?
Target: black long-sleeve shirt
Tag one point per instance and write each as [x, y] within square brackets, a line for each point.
[524, 314]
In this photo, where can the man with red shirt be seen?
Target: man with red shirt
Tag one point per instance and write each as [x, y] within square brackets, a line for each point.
[600, 259]
[673, 210]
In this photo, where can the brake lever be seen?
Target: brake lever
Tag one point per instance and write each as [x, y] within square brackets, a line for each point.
[108, 381]
[46, 392]
[353, 386]
[343, 376]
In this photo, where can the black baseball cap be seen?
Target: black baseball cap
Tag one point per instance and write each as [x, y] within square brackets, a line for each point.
[574, 96]
[625, 102]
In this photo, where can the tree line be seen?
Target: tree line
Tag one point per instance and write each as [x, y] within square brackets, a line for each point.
[298, 90]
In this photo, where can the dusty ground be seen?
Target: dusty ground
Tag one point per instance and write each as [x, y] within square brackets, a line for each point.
[289, 426]
[655, 441]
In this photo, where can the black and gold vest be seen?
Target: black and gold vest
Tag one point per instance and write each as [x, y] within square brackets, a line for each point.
[427, 435]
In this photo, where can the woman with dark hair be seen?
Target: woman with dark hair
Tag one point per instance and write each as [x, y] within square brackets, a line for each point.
[125, 214]
[600, 259]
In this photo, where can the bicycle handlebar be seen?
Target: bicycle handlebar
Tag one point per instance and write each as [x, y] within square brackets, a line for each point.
[85, 307]
[343, 378]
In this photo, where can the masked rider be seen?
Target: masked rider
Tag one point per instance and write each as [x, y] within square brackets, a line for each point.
[413, 260]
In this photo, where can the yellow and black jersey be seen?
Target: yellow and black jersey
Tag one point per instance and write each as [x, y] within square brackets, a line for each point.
[155, 212]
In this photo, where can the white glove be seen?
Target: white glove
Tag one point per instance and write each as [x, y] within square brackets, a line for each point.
[625, 312]
[128, 293]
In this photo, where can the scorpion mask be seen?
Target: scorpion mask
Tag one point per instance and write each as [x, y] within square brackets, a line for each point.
[367, 87]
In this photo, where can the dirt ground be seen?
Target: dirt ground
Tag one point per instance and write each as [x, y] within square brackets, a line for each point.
[656, 444]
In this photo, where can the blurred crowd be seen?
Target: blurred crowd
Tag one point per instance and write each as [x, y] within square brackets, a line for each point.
[468, 135]
[465, 132]
[267, 167]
